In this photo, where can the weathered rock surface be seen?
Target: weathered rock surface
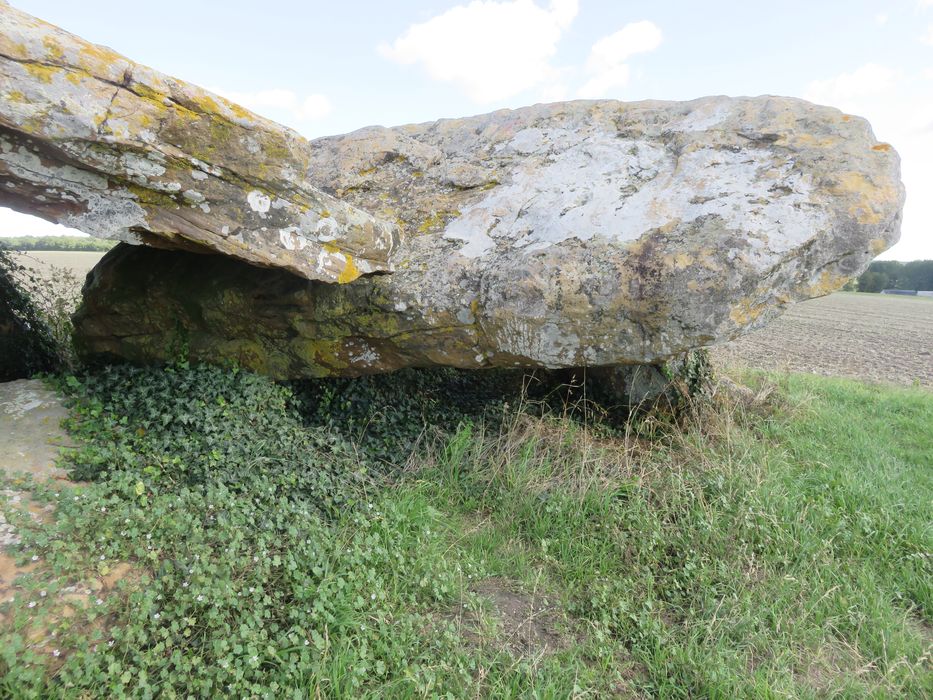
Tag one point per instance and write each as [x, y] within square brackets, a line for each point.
[565, 235]
[92, 140]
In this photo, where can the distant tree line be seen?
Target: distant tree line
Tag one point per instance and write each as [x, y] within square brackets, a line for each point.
[891, 274]
[98, 245]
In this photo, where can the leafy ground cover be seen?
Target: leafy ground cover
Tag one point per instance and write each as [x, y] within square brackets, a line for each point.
[423, 536]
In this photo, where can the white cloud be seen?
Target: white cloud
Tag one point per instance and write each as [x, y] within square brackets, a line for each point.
[287, 102]
[555, 92]
[927, 38]
[607, 65]
[899, 106]
[315, 106]
[865, 82]
[881, 18]
[492, 50]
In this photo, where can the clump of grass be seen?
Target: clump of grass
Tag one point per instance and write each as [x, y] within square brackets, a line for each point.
[778, 544]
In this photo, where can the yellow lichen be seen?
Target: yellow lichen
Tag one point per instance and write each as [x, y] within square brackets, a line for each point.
[98, 60]
[53, 50]
[205, 103]
[868, 196]
[745, 312]
[319, 353]
[350, 271]
[826, 284]
[41, 72]
[240, 112]
[437, 220]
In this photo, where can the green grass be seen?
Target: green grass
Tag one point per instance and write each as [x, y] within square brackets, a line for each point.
[777, 544]
[778, 557]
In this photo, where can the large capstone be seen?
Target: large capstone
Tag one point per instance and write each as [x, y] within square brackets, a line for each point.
[94, 141]
[564, 235]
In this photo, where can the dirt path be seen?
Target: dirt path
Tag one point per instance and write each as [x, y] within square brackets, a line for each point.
[864, 336]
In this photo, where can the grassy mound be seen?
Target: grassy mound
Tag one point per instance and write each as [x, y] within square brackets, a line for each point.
[422, 536]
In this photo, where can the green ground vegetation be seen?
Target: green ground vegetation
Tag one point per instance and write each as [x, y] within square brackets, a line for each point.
[369, 540]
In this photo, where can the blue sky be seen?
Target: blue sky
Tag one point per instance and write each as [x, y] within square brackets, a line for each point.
[331, 67]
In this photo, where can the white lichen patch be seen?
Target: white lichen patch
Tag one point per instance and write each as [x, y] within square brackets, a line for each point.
[169, 187]
[465, 316]
[292, 238]
[109, 217]
[619, 189]
[26, 165]
[544, 343]
[327, 229]
[205, 167]
[258, 202]
[137, 166]
[366, 356]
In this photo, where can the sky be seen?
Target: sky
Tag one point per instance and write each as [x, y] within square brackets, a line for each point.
[331, 67]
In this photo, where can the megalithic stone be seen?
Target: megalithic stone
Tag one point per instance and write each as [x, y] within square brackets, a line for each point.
[590, 233]
[565, 235]
[94, 141]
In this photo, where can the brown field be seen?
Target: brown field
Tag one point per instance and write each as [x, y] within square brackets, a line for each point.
[864, 336]
[42, 261]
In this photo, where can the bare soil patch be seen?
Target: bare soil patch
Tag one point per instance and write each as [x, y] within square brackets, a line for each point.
[871, 337]
[524, 624]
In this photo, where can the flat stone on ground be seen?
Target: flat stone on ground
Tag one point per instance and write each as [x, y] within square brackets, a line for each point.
[30, 426]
